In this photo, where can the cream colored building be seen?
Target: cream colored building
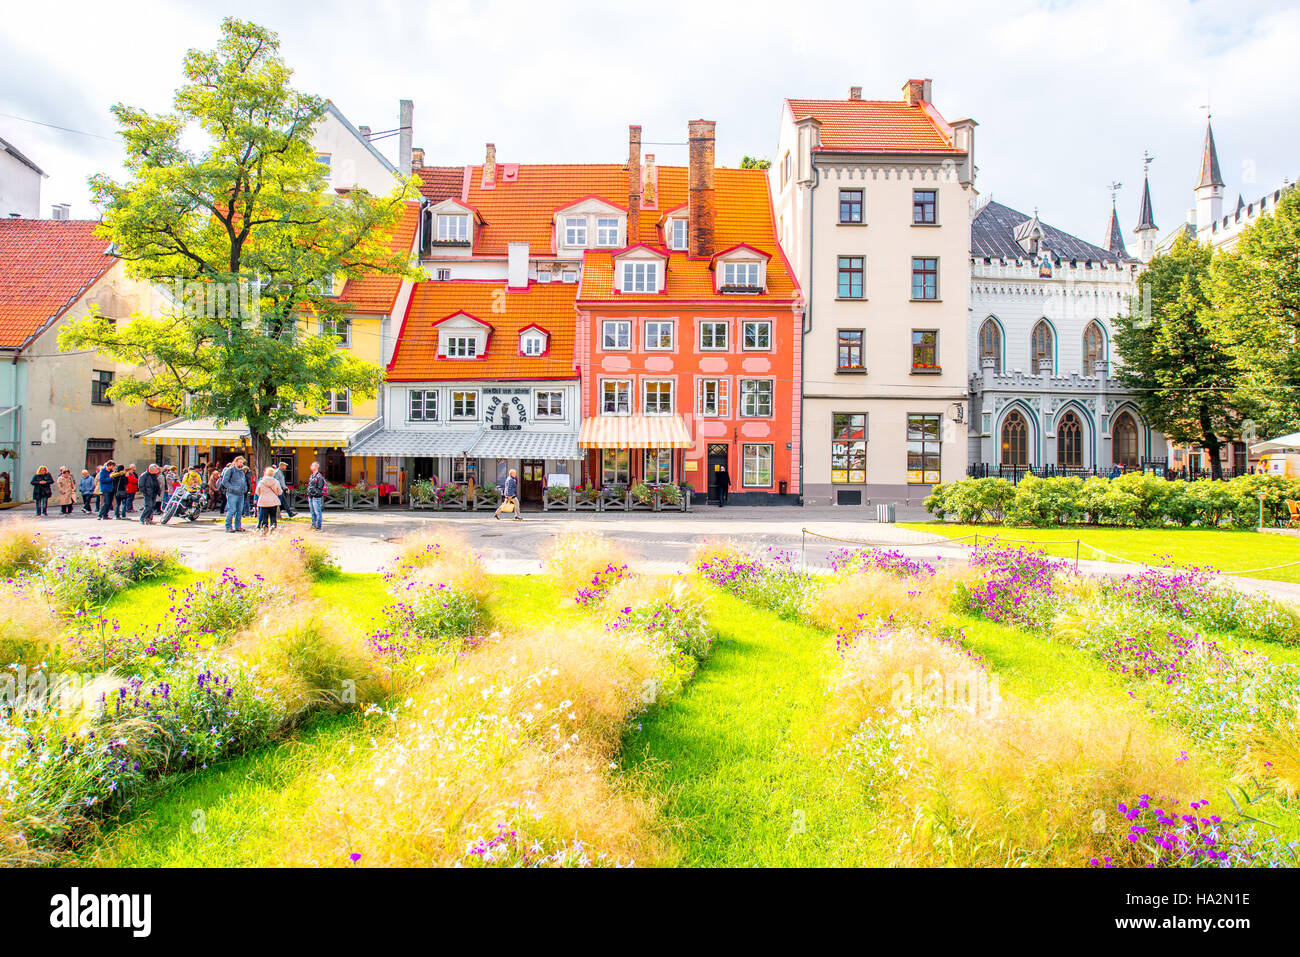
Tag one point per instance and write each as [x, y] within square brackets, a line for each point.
[873, 203]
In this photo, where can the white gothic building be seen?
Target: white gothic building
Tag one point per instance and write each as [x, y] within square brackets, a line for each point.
[1043, 390]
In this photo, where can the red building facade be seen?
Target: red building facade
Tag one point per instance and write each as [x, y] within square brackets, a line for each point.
[688, 341]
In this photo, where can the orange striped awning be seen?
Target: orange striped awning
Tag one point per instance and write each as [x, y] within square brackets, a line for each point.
[634, 432]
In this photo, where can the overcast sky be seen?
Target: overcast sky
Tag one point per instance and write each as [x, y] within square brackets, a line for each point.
[1068, 95]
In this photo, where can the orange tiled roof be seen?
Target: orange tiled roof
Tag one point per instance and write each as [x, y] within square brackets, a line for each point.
[875, 126]
[376, 294]
[549, 305]
[522, 208]
[46, 265]
[742, 215]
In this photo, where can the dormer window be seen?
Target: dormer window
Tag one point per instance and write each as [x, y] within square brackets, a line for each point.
[606, 232]
[742, 277]
[532, 342]
[640, 277]
[453, 229]
[575, 231]
[462, 347]
[677, 233]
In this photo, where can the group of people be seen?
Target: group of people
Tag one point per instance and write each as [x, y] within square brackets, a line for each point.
[111, 491]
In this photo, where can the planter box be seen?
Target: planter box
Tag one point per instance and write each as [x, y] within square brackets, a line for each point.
[363, 499]
[456, 506]
[609, 504]
[636, 505]
[337, 497]
[585, 506]
[486, 502]
[426, 504]
[565, 504]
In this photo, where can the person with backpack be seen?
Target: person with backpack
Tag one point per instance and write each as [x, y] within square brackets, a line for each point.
[317, 489]
[234, 483]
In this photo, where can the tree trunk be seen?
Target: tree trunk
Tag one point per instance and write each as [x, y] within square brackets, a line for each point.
[260, 444]
[1210, 441]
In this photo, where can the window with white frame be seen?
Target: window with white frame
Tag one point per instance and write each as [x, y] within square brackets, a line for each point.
[615, 467]
[757, 334]
[606, 232]
[341, 327]
[677, 233]
[658, 398]
[616, 397]
[658, 334]
[756, 398]
[550, 405]
[713, 336]
[453, 229]
[464, 405]
[569, 275]
[532, 342]
[338, 401]
[741, 276]
[756, 466]
[442, 275]
[712, 399]
[575, 231]
[616, 334]
[640, 277]
[658, 466]
[423, 405]
[462, 347]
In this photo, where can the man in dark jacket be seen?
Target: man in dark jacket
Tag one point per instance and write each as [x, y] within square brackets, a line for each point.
[150, 489]
[724, 485]
[106, 488]
[234, 483]
[121, 478]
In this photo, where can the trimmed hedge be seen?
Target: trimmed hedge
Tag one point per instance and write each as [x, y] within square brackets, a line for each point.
[1135, 498]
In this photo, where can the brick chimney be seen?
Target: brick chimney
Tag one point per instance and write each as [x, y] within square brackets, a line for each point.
[650, 183]
[916, 92]
[633, 184]
[700, 210]
[489, 180]
[417, 158]
[855, 93]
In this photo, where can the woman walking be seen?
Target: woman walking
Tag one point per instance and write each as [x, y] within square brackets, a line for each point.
[268, 501]
[67, 489]
[42, 482]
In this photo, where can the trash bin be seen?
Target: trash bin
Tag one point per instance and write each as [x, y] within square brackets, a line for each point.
[785, 486]
[886, 512]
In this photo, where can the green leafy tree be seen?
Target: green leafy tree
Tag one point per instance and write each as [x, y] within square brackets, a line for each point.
[753, 162]
[1256, 291]
[1182, 376]
[248, 241]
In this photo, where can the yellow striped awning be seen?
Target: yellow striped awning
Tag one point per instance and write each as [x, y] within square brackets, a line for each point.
[327, 432]
[634, 432]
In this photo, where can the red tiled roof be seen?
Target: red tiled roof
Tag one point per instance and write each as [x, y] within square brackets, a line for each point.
[875, 126]
[549, 305]
[46, 265]
[441, 182]
[742, 216]
[376, 294]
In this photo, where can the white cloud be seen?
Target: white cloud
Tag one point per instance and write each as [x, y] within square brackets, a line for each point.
[1067, 94]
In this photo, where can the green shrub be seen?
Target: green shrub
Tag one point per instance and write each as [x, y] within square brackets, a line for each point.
[1048, 501]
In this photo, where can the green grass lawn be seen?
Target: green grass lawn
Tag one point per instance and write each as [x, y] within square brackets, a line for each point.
[1228, 551]
[740, 760]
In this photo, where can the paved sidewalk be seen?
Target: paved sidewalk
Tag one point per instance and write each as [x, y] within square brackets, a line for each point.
[658, 541]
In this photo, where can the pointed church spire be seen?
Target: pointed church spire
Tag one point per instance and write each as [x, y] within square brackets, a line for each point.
[1114, 236]
[1210, 175]
[1146, 217]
